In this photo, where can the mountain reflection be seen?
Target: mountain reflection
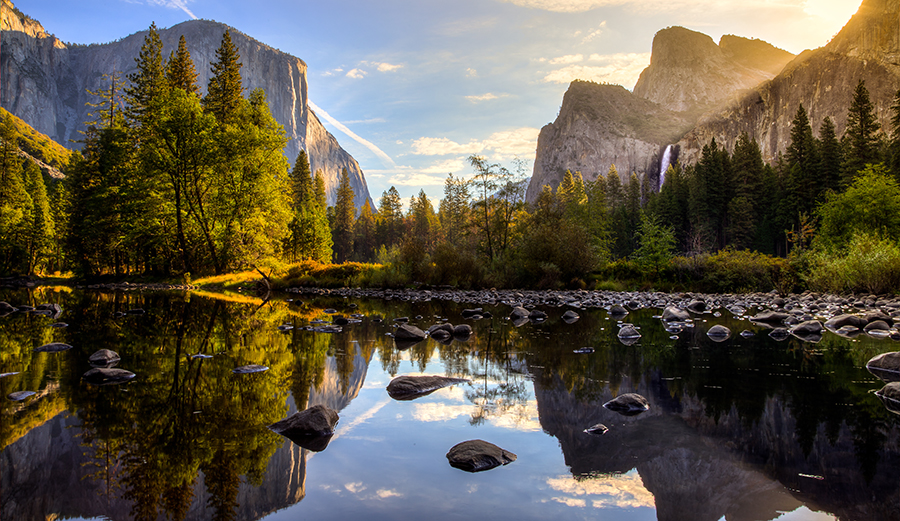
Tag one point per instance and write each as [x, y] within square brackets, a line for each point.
[746, 429]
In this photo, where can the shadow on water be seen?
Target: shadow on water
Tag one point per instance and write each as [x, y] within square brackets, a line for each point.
[746, 428]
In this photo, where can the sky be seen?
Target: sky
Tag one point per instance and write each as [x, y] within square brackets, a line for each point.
[411, 88]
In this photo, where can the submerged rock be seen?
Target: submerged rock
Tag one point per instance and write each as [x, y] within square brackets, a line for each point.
[20, 395]
[583, 350]
[890, 396]
[518, 313]
[250, 369]
[104, 357]
[462, 332]
[478, 455]
[55, 347]
[779, 333]
[845, 320]
[311, 429]
[107, 376]
[628, 404]
[597, 430]
[412, 387]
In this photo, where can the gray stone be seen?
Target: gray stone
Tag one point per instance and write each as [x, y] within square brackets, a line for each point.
[628, 404]
[719, 333]
[311, 429]
[54, 347]
[409, 332]
[250, 369]
[104, 357]
[411, 387]
[107, 376]
[673, 314]
[478, 455]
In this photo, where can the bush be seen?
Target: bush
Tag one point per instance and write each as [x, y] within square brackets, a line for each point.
[870, 264]
[730, 271]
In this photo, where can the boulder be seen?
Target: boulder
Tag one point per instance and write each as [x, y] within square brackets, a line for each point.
[890, 396]
[53, 308]
[673, 314]
[617, 310]
[846, 320]
[54, 347]
[462, 332]
[438, 330]
[809, 327]
[719, 333]
[628, 404]
[779, 333]
[478, 455]
[107, 376]
[770, 317]
[311, 429]
[104, 357]
[697, 306]
[406, 388]
[518, 312]
[537, 315]
[628, 331]
[408, 332]
[570, 317]
[469, 313]
[873, 316]
[885, 366]
[597, 430]
[19, 396]
[877, 325]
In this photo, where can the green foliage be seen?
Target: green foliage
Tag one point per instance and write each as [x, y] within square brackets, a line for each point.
[224, 92]
[344, 218]
[730, 270]
[310, 236]
[861, 136]
[38, 145]
[657, 242]
[869, 263]
[871, 204]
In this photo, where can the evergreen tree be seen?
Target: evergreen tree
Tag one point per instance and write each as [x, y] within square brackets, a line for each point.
[711, 192]
[16, 205]
[180, 71]
[224, 92]
[364, 239]
[803, 163]
[39, 232]
[149, 81]
[671, 205]
[656, 243]
[614, 195]
[861, 136]
[894, 144]
[344, 218]
[321, 196]
[310, 234]
[454, 209]
[743, 210]
[390, 216]
[830, 158]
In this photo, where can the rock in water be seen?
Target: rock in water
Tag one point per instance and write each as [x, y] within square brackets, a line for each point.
[885, 366]
[412, 387]
[408, 332]
[311, 429]
[249, 369]
[107, 376]
[628, 404]
[104, 357]
[890, 396]
[55, 347]
[478, 455]
[570, 317]
[20, 395]
[462, 332]
[597, 430]
[673, 314]
[628, 332]
[719, 333]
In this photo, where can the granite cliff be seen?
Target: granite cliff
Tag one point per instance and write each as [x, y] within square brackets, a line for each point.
[45, 82]
[689, 74]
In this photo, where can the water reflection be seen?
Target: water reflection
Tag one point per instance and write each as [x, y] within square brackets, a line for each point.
[746, 428]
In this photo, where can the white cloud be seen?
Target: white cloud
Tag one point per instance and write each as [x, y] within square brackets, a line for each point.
[387, 67]
[386, 159]
[471, 73]
[572, 502]
[567, 59]
[356, 74]
[175, 4]
[332, 72]
[355, 488]
[359, 121]
[385, 493]
[622, 69]
[615, 490]
[486, 97]
[504, 145]
[596, 33]
[417, 179]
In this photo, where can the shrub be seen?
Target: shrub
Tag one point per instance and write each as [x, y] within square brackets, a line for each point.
[732, 270]
[869, 264]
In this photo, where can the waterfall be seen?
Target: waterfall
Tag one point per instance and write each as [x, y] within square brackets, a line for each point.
[664, 165]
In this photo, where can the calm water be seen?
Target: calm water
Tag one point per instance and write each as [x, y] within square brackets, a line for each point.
[746, 429]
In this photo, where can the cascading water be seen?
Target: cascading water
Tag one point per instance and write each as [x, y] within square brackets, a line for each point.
[664, 165]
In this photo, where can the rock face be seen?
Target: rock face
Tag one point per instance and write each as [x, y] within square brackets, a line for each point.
[599, 126]
[689, 72]
[45, 82]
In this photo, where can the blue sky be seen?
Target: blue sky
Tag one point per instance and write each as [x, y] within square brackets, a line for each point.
[412, 87]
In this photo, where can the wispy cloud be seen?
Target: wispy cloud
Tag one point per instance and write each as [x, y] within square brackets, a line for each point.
[356, 74]
[486, 97]
[471, 73]
[595, 33]
[174, 4]
[364, 121]
[332, 72]
[622, 69]
[384, 66]
[386, 159]
[567, 59]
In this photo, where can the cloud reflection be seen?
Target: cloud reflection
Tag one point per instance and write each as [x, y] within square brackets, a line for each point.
[618, 490]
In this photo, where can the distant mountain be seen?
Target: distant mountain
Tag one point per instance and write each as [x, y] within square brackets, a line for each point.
[45, 82]
[601, 125]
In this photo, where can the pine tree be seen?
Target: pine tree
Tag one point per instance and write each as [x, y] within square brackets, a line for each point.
[39, 232]
[894, 144]
[344, 218]
[302, 184]
[747, 169]
[149, 81]
[390, 217]
[310, 234]
[364, 233]
[321, 197]
[454, 209]
[861, 135]
[15, 203]
[180, 71]
[224, 92]
[830, 157]
[803, 163]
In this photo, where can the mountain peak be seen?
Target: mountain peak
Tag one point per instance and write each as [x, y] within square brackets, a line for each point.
[873, 33]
